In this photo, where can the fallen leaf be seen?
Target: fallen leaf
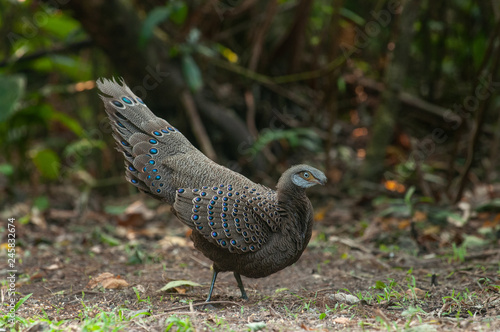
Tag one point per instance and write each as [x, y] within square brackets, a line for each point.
[180, 290]
[341, 320]
[107, 280]
[416, 293]
[178, 283]
[38, 219]
[173, 241]
[256, 326]
[346, 298]
[52, 267]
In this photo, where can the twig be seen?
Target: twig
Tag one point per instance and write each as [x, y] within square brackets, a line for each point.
[261, 28]
[199, 261]
[197, 125]
[476, 130]
[404, 97]
[191, 305]
[39, 54]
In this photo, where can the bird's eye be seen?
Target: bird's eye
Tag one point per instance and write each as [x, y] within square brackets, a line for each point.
[306, 175]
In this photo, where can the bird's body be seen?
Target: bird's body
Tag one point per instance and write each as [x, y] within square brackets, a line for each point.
[243, 227]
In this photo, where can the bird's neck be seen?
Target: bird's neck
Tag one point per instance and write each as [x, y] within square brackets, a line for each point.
[293, 202]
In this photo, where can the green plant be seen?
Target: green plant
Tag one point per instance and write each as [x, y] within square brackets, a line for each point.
[459, 253]
[182, 324]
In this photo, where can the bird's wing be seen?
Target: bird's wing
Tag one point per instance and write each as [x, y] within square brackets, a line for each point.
[238, 219]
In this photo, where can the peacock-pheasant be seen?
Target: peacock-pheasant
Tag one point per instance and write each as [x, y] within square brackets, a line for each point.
[243, 227]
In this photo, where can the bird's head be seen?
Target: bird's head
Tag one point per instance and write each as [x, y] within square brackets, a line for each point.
[302, 176]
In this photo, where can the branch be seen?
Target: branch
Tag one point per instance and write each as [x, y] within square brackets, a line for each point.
[73, 47]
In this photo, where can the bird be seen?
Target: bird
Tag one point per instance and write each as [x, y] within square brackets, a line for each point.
[241, 226]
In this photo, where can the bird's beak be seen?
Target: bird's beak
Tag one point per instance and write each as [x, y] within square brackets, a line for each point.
[321, 181]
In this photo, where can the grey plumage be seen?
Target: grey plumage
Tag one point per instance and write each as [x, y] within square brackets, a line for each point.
[241, 226]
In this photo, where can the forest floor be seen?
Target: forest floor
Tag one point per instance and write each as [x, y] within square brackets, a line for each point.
[343, 281]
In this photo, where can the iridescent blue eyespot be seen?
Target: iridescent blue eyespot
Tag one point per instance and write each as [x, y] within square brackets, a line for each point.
[161, 184]
[224, 225]
[197, 199]
[132, 169]
[224, 209]
[236, 220]
[211, 223]
[153, 141]
[215, 198]
[117, 104]
[156, 133]
[152, 162]
[165, 131]
[120, 124]
[210, 207]
[214, 234]
[127, 101]
[252, 248]
[149, 177]
[229, 194]
[171, 129]
[133, 180]
[158, 190]
[233, 242]
[139, 100]
[230, 188]
[200, 227]
[195, 217]
[124, 143]
[223, 242]
[144, 169]
[225, 199]
[210, 217]
[154, 170]
[180, 191]
[215, 188]
[153, 151]
[203, 193]
[157, 177]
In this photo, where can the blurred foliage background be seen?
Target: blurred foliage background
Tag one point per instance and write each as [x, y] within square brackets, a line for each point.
[383, 95]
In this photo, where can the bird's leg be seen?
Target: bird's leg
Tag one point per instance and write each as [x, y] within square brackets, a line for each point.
[214, 276]
[240, 286]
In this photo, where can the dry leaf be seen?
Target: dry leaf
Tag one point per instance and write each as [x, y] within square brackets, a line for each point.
[52, 267]
[107, 280]
[346, 298]
[341, 320]
[180, 290]
[416, 293]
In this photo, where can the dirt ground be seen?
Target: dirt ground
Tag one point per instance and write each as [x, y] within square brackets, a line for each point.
[61, 251]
